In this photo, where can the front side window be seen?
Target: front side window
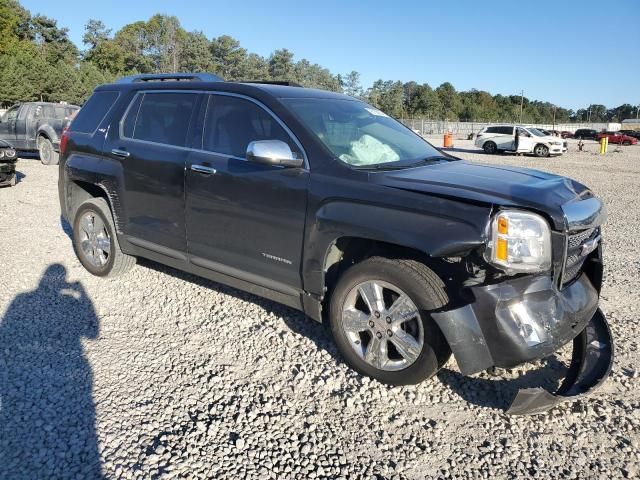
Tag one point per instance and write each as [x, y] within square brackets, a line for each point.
[160, 118]
[361, 135]
[506, 130]
[231, 123]
[11, 114]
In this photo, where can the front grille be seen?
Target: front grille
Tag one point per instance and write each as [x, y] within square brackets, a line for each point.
[575, 259]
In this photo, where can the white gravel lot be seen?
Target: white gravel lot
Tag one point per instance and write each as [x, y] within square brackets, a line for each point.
[162, 374]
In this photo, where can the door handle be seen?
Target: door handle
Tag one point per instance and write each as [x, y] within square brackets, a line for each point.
[120, 153]
[203, 169]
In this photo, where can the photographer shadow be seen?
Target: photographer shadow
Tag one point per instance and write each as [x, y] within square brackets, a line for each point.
[47, 412]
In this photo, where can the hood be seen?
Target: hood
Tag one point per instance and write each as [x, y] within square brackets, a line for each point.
[5, 144]
[491, 184]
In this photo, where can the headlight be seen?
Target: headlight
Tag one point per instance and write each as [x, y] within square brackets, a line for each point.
[519, 242]
[10, 153]
[1, 153]
[556, 143]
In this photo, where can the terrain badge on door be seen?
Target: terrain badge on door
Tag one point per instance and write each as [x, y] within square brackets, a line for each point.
[277, 259]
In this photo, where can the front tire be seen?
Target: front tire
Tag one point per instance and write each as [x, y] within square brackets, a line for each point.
[380, 319]
[490, 148]
[626, 142]
[48, 155]
[95, 241]
[541, 150]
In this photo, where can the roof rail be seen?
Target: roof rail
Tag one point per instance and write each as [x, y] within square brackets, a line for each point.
[286, 83]
[171, 77]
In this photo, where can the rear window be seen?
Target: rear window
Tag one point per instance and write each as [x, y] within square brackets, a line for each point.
[160, 118]
[93, 112]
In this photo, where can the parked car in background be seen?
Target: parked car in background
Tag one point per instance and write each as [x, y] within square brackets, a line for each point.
[566, 134]
[502, 138]
[8, 159]
[618, 137]
[37, 126]
[585, 134]
[408, 253]
[631, 133]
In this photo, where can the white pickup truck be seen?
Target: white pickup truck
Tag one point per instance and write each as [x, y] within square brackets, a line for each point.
[502, 138]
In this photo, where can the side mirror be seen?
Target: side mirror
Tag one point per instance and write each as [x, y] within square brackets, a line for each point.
[272, 152]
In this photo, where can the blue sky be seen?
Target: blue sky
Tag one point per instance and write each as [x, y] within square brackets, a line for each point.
[565, 52]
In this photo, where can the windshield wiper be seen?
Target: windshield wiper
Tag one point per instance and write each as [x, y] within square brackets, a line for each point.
[428, 160]
[386, 166]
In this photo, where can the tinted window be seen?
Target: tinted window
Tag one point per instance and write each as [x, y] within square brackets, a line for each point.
[231, 123]
[492, 130]
[162, 118]
[505, 130]
[91, 114]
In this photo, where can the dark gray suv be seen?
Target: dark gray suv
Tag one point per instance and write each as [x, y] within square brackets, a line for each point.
[326, 204]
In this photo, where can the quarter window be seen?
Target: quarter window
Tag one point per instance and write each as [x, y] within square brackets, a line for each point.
[161, 118]
[231, 123]
[91, 114]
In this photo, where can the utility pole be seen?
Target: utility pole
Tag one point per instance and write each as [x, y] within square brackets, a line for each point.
[521, 104]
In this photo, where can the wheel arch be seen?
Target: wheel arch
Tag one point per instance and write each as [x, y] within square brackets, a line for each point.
[46, 131]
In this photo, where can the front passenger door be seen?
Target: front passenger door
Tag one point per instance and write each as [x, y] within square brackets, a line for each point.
[245, 219]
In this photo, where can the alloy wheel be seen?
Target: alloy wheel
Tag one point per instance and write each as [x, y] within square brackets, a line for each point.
[94, 240]
[383, 325]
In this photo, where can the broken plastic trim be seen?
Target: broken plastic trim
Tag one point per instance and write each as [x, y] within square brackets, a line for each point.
[591, 364]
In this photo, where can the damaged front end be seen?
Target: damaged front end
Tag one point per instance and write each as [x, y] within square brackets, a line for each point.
[8, 160]
[521, 318]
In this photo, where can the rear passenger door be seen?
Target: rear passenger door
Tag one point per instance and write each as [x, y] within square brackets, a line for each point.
[150, 143]
[245, 219]
[506, 140]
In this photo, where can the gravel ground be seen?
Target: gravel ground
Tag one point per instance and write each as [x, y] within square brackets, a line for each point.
[162, 374]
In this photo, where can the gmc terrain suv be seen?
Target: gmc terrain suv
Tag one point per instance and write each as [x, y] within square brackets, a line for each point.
[324, 203]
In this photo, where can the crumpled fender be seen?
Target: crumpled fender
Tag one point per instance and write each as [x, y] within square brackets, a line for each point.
[591, 364]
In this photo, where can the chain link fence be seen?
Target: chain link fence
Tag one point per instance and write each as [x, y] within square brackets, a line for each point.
[435, 127]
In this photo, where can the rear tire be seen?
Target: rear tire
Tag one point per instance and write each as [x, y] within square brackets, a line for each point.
[48, 155]
[411, 348]
[490, 148]
[95, 241]
[541, 150]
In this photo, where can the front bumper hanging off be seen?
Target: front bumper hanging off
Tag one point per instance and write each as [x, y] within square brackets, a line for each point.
[527, 319]
[591, 364]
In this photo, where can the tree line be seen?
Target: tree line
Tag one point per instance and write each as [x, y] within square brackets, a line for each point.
[38, 61]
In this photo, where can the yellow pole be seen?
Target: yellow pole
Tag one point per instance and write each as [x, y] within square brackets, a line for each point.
[604, 143]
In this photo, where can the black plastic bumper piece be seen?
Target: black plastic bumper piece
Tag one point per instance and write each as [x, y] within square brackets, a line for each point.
[591, 364]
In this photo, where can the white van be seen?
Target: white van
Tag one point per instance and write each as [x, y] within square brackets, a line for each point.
[502, 138]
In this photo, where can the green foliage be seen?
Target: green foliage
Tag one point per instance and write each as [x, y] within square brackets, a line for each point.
[39, 62]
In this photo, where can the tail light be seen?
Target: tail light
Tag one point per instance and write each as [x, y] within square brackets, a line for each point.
[64, 140]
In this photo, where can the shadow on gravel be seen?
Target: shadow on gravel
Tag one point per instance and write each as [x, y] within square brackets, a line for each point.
[47, 413]
[66, 227]
[499, 393]
[295, 320]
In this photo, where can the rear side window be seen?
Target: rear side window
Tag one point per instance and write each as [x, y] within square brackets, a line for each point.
[505, 130]
[160, 118]
[231, 123]
[93, 112]
[492, 130]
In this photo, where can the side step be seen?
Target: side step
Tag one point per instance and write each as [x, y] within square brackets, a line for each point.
[591, 364]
